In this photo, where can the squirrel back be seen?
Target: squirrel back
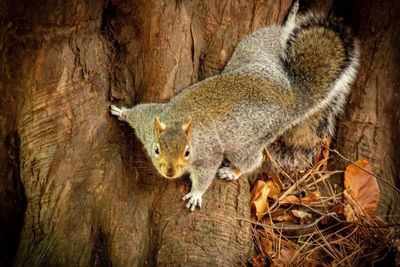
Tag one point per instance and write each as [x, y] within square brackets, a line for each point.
[264, 48]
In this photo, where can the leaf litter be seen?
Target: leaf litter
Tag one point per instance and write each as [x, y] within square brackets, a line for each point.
[297, 225]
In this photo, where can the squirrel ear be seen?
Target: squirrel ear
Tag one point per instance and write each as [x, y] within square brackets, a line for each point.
[187, 127]
[158, 125]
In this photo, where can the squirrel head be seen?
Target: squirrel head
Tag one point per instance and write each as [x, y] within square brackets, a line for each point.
[172, 148]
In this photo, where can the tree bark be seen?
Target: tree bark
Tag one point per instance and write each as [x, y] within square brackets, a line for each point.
[370, 126]
[92, 196]
[89, 194]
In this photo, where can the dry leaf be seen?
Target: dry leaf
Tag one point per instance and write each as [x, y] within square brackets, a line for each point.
[310, 198]
[276, 185]
[280, 215]
[291, 199]
[286, 217]
[362, 186]
[302, 215]
[266, 244]
[326, 143]
[285, 258]
[258, 261]
[351, 208]
[287, 255]
[275, 189]
[259, 204]
[259, 194]
[324, 154]
[349, 213]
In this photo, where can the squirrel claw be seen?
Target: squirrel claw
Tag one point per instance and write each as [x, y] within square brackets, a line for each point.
[227, 173]
[117, 111]
[195, 199]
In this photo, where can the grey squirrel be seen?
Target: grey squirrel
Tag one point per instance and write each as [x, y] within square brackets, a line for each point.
[277, 77]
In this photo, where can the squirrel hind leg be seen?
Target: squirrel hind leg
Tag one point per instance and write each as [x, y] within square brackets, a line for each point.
[242, 160]
[229, 173]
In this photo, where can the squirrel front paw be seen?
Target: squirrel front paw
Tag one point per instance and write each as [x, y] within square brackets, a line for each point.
[195, 199]
[117, 111]
[228, 173]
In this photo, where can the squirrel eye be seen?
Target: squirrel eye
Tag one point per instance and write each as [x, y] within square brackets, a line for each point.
[157, 150]
[187, 152]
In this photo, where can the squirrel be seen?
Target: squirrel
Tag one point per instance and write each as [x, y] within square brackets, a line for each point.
[277, 78]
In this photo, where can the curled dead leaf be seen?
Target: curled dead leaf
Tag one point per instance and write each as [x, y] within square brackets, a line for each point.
[259, 202]
[362, 186]
[260, 194]
[276, 185]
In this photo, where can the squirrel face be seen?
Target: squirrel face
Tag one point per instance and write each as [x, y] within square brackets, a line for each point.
[172, 150]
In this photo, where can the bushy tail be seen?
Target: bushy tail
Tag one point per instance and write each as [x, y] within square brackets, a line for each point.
[320, 56]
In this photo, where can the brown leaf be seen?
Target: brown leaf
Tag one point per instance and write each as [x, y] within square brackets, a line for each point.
[326, 143]
[310, 198]
[302, 215]
[286, 217]
[349, 213]
[324, 154]
[259, 204]
[258, 261]
[276, 185]
[287, 255]
[259, 196]
[291, 199]
[362, 186]
[285, 258]
[266, 244]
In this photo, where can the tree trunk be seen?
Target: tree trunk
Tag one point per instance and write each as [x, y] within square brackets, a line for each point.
[370, 127]
[91, 196]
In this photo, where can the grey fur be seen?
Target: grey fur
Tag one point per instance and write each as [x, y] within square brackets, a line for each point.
[239, 112]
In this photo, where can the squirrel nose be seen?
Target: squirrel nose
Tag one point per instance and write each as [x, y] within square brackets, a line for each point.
[170, 172]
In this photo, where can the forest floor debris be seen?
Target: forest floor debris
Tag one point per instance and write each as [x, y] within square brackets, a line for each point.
[304, 220]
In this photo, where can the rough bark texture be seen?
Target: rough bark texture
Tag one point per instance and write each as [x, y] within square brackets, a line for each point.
[91, 196]
[370, 127]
